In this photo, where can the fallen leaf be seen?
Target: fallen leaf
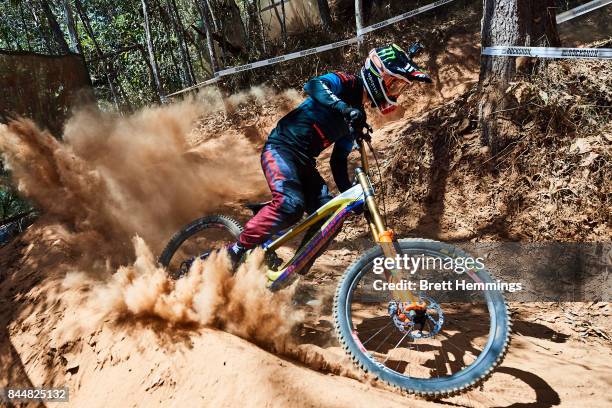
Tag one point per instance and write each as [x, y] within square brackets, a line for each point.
[587, 161]
[581, 146]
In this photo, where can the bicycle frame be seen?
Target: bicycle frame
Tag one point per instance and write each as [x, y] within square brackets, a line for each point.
[335, 213]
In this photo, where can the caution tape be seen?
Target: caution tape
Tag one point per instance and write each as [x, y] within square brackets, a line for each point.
[196, 86]
[315, 50]
[580, 10]
[508, 51]
[401, 17]
[266, 62]
[549, 52]
[287, 57]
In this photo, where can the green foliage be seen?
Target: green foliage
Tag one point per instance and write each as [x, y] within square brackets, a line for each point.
[10, 202]
[117, 28]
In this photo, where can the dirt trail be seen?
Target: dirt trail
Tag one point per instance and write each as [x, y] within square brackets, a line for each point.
[47, 338]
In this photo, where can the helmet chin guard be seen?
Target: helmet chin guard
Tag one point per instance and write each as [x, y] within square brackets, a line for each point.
[386, 74]
[376, 93]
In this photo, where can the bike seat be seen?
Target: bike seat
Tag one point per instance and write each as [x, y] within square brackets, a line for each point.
[255, 207]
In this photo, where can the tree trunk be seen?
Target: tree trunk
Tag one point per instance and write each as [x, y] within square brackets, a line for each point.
[56, 30]
[45, 39]
[215, 25]
[359, 18]
[183, 47]
[253, 27]
[325, 14]
[199, 51]
[151, 50]
[108, 71]
[197, 43]
[284, 23]
[281, 21]
[127, 105]
[262, 31]
[75, 42]
[231, 28]
[203, 6]
[509, 22]
[167, 19]
[173, 18]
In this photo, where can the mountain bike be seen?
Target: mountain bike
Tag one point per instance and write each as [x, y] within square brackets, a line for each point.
[430, 340]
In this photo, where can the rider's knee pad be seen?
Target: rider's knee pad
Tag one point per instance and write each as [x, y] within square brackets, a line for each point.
[292, 209]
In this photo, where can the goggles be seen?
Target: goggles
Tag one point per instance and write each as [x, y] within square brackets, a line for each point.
[394, 86]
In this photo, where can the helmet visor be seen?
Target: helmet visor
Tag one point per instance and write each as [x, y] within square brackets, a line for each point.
[395, 86]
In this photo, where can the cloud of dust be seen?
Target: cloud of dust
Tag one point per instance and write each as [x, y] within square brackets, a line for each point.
[144, 174]
[112, 177]
[209, 295]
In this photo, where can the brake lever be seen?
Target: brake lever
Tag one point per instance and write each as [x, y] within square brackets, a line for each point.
[360, 135]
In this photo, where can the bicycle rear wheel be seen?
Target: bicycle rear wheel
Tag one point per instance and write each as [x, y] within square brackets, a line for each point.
[197, 239]
[448, 345]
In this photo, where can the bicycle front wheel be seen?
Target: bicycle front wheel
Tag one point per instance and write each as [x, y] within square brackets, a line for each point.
[447, 341]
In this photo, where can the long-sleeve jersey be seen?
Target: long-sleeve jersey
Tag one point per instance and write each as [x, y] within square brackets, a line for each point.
[318, 122]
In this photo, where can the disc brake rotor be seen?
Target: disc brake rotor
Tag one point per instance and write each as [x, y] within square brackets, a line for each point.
[418, 320]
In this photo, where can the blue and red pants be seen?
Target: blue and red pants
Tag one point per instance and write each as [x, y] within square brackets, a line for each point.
[296, 186]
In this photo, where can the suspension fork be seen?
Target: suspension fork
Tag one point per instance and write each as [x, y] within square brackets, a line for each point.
[380, 233]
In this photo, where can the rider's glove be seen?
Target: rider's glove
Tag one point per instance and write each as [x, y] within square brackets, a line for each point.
[356, 120]
[352, 115]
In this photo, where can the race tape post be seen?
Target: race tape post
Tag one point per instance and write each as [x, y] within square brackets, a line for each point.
[549, 52]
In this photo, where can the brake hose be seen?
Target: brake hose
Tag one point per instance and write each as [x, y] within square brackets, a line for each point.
[382, 184]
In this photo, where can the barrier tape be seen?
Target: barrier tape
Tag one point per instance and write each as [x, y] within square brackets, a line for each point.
[311, 51]
[401, 17]
[266, 62]
[580, 10]
[196, 86]
[494, 51]
[547, 52]
[287, 57]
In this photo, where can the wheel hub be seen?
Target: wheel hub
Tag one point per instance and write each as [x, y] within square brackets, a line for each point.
[421, 319]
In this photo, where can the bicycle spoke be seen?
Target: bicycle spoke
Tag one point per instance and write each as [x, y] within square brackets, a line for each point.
[389, 352]
[435, 359]
[375, 334]
[383, 342]
[455, 346]
[408, 343]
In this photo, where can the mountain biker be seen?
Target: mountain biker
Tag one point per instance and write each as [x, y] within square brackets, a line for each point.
[288, 157]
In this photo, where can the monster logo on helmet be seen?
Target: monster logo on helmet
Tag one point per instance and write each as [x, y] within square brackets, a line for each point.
[388, 71]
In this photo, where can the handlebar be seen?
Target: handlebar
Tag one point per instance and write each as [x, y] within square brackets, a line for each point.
[359, 134]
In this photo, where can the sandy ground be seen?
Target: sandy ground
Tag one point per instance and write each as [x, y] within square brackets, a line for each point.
[147, 362]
